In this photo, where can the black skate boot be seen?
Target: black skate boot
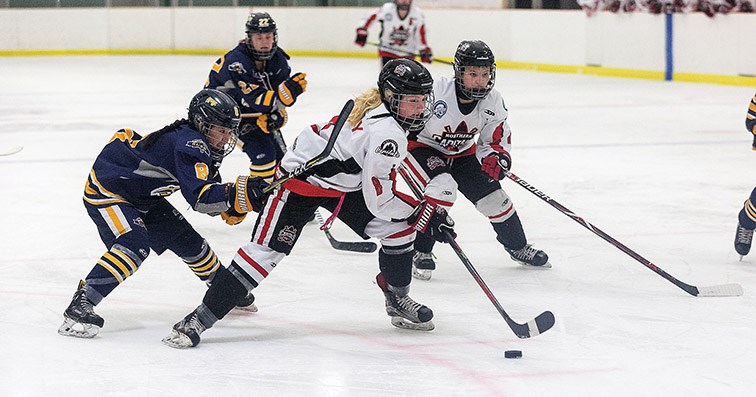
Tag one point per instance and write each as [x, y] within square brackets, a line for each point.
[422, 265]
[79, 319]
[186, 333]
[405, 312]
[529, 256]
[743, 238]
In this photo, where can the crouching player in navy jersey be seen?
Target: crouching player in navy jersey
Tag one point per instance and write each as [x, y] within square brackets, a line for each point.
[747, 215]
[357, 184]
[125, 197]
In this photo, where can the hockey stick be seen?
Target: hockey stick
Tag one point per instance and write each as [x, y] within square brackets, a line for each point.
[11, 151]
[542, 323]
[715, 290]
[348, 106]
[379, 45]
[354, 246]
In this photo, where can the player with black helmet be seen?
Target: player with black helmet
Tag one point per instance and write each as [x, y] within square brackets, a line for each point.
[257, 75]
[356, 183]
[125, 196]
[465, 146]
[402, 31]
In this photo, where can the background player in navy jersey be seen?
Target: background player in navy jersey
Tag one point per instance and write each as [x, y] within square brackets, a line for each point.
[257, 75]
[356, 183]
[747, 216]
[402, 31]
[125, 197]
[465, 145]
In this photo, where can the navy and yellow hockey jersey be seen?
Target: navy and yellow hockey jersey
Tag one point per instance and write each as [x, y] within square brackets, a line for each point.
[255, 91]
[130, 170]
[750, 121]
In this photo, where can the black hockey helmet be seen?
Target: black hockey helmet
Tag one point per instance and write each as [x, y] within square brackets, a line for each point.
[400, 77]
[261, 22]
[215, 108]
[403, 6]
[474, 53]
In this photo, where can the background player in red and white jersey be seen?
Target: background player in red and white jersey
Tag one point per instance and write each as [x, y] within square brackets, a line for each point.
[445, 157]
[357, 184]
[402, 32]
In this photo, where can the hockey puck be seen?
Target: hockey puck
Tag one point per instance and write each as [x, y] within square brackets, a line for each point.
[513, 354]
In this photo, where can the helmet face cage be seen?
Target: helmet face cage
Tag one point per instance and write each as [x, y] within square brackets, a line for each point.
[261, 22]
[213, 108]
[403, 6]
[400, 78]
[474, 53]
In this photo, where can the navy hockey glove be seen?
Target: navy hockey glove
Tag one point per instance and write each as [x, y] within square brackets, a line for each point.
[426, 55]
[247, 194]
[496, 165]
[291, 88]
[432, 220]
[272, 122]
[361, 38]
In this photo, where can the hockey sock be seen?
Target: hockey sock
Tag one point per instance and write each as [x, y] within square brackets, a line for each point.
[223, 294]
[747, 216]
[510, 233]
[203, 264]
[112, 269]
[396, 264]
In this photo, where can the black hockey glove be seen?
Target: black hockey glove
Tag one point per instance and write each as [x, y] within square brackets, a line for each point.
[291, 88]
[361, 38]
[247, 194]
[426, 55]
[496, 165]
[272, 122]
[432, 220]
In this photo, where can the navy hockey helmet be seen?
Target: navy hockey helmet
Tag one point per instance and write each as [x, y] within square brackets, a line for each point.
[474, 53]
[211, 108]
[403, 5]
[261, 22]
[400, 78]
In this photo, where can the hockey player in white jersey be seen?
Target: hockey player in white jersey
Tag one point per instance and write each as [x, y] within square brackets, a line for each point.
[402, 31]
[356, 183]
[445, 157]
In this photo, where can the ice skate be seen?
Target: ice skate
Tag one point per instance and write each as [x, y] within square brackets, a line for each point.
[743, 238]
[186, 333]
[404, 312]
[247, 303]
[79, 319]
[529, 256]
[423, 264]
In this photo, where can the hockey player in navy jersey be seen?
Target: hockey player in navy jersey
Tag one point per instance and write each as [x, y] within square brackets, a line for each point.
[257, 75]
[357, 184]
[747, 216]
[465, 146]
[125, 195]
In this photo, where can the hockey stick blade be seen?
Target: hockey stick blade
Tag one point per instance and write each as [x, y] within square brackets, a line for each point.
[542, 323]
[348, 106]
[11, 151]
[720, 290]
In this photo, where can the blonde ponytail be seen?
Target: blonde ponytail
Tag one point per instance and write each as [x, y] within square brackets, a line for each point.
[366, 101]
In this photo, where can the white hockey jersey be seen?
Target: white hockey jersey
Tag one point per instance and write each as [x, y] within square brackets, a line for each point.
[453, 133]
[366, 157]
[406, 35]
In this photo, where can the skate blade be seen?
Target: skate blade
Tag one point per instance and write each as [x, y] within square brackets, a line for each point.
[421, 274]
[403, 323]
[78, 330]
[177, 340]
[546, 265]
[249, 309]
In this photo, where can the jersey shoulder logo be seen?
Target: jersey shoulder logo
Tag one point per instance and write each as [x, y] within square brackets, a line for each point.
[440, 108]
[389, 148]
[237, 67]
[198, 144]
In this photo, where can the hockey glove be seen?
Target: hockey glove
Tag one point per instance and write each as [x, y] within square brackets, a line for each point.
[432, 220]
[497, 165]
[232, 217]
[291, 88]
[247, 194]
[272, 122]
[361, 38]
[426, 55]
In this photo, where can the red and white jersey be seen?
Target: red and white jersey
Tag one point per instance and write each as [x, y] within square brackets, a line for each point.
[406, 35]
[366, 156]
[454, 134]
